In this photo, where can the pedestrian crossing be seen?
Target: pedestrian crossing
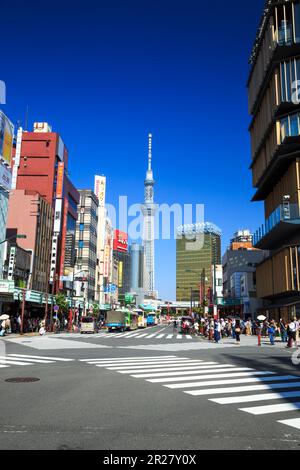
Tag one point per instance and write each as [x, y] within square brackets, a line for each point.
[28, 360]
[222, 384]
[135, 335]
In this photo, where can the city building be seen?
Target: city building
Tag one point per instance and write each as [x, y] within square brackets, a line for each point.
[198, 253]
[32, 215]
[137, 277]
[6, 144]
[274, 104]
[40, 164]
[122, 256]
[17, 264]
[100, 192]
[149, 210]
[239, 276]
[86, 247]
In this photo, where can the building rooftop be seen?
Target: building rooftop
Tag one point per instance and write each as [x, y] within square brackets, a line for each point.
[203, 227]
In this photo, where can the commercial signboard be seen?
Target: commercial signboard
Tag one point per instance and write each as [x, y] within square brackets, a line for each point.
[120, 274]
[7, 287]
[120, 241]
[100, 188]
[5, 177]
[106, 261]
[6, 138]
[60, 180]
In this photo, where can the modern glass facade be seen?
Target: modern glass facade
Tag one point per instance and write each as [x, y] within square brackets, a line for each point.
[198, 249]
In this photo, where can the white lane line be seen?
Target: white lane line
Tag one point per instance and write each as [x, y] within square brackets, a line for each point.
[39, 361]
[159, 336]
[126, 365]
[125, 358]
[222, 382]
[179, 336]
[294, 423]
[249, 388]
[162, 371]
[136, 362]
[151, 336]
[263, 410]
[157, 363]
[3, 366]
[213, 376]
[257, 397]
[177, 371]
[143, 335]
[41, 357]
[15, 363]
[188, 336]
[134, 335]
[170, 336]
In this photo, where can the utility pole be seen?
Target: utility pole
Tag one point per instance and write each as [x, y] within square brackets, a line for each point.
[23, 310]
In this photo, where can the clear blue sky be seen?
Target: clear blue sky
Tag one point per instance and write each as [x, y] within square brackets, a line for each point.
[104, 73]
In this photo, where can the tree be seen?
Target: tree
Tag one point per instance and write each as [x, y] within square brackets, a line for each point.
[61, 302]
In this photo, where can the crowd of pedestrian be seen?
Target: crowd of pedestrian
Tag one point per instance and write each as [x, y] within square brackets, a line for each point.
[218, 329]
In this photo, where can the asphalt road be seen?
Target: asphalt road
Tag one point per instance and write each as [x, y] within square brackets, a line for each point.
[146, 392]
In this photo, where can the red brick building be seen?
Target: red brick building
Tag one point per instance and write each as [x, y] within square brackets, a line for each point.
[40, 164]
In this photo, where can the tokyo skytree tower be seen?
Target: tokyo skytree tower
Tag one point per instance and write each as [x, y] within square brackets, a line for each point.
[149, 210]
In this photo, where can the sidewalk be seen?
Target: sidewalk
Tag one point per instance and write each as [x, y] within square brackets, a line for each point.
[252, 341]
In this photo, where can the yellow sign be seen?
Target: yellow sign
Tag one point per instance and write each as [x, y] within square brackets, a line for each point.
[120, 274]
[6, 138]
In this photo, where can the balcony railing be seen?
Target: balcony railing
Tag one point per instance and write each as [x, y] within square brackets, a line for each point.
[284, 213]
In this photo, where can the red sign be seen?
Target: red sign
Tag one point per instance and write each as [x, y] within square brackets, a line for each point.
[120, 241]
[60, 180]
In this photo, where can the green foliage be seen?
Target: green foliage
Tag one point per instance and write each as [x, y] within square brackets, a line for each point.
[61, 302]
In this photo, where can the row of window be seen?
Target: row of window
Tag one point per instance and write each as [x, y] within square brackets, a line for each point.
[290, 75]
[290, 126]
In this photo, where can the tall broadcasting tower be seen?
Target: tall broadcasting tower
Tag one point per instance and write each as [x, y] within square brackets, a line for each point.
[149, 210]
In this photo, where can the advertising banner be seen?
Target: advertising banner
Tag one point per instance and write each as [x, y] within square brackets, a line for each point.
[6, 138]
[120, 274]
[60, 180]
[120, 241]
[106, 260]
[100, 188]
[5, 177]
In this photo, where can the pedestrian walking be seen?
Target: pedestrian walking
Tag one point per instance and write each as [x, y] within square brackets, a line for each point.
[238, 332]
[271, 332]
[291, 334]
[217, 331]
[283, 330]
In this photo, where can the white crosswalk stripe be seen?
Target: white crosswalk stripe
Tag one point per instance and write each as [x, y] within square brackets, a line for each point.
[27, 360]
[138, 335]
[199, 378]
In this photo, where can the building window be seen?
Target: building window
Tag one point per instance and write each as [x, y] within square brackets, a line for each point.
[80, 244]
[289, 75]
[290, 126]
[297, 21]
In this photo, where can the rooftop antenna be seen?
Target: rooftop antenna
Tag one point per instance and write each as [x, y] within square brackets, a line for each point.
[26, 118]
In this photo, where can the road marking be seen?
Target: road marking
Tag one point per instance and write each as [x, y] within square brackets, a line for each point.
[135, 361]
[151, 336]
[295, 423]
[128, 365]
[249, 388]
[222, 382]
[125, 358]
[252, 398]
[179, 336]
[170, 336]
[40, 361]
[143, 335]
[3, 366]
[162, 371]
[160, 336]
[41, 357]
[210, 376]
[158, 364]
[263, 410]
[15, 363]
[177, 371]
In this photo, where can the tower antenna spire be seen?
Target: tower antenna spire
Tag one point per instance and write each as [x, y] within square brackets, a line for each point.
[149, 152]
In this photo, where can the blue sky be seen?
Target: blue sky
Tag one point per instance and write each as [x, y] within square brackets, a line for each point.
[105, 73]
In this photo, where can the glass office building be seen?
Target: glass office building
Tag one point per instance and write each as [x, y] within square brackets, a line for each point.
[198, 250]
